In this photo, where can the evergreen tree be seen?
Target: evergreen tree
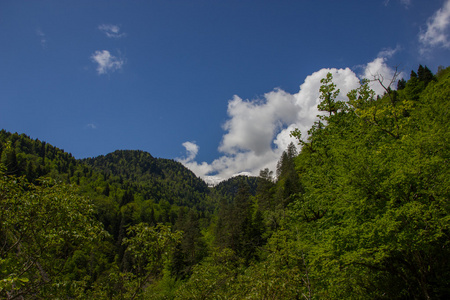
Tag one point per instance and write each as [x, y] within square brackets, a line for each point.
[401, 84]
[288, 181]
[265, 190]
[425, 75]
[106, 191]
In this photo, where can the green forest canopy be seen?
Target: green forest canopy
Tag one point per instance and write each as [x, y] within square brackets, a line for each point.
[361, 212]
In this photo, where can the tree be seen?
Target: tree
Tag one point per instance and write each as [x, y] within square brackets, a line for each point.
[425, 75]
[401, 84]
[265, 190]
[41, 228]
[151, 249]
[238, 226]
[106, 190]
[192, 248]
[383, 232]
[213, 278]
[328, 95]
[287, 177]
[9, 159]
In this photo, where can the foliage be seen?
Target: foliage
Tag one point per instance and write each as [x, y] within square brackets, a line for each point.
[212, 278]
[375, 208]
[150, 249]
[361, 212]
[43, 228]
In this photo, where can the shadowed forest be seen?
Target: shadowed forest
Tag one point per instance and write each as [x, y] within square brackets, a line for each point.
[361, 211]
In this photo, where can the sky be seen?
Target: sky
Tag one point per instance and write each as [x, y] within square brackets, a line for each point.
[216, 85]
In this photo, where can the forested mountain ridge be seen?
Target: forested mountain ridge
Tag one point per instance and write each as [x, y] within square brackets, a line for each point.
[362, 212]
[162, 179]
[139, 166]
[127, 163]
[142, 168]
[22, 155]
[230, 186]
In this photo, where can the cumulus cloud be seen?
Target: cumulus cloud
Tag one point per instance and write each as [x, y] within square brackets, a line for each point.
[258, 131]
[106, 62]
[378, 71]
[252, 124]
[437, 30]
[111, 31]
[191, 150]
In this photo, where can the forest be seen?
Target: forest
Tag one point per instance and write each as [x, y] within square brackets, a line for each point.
[361, 211]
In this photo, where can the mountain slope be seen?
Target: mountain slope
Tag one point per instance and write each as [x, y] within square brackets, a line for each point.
[158, 178]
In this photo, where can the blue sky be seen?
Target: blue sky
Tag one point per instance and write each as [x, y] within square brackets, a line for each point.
[215, 84]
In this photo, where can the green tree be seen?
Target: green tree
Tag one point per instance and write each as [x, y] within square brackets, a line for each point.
[288, 182]
[374, 213]
[425, 75]
[401, 84]
[233, 221]
[151, 250]
[213, 278]
[9, 159]
[328, 95]
[41, 229]
[265, 190]
[192, 248]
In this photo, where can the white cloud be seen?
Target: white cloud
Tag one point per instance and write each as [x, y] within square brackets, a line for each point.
[91, 126]
[252, 124]
[378, 70]
[389, 52]
[111, 31]
[191, 150]
[42, 37]
[406, 3]
[106, 62]
[258, 131]
[438, 30]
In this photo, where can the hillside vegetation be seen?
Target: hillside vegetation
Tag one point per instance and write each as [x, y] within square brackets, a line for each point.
[361, 212]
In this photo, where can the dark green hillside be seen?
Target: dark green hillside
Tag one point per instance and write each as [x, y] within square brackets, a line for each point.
[230, 187]
[22, 155]
[155, 178]
[129, 164]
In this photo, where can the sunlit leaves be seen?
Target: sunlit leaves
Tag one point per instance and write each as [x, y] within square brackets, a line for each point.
[374, 214]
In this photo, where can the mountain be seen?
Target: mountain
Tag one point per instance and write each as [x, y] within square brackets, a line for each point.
[120, 174]
[157, 178]
[22, 155]
[230, 187]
